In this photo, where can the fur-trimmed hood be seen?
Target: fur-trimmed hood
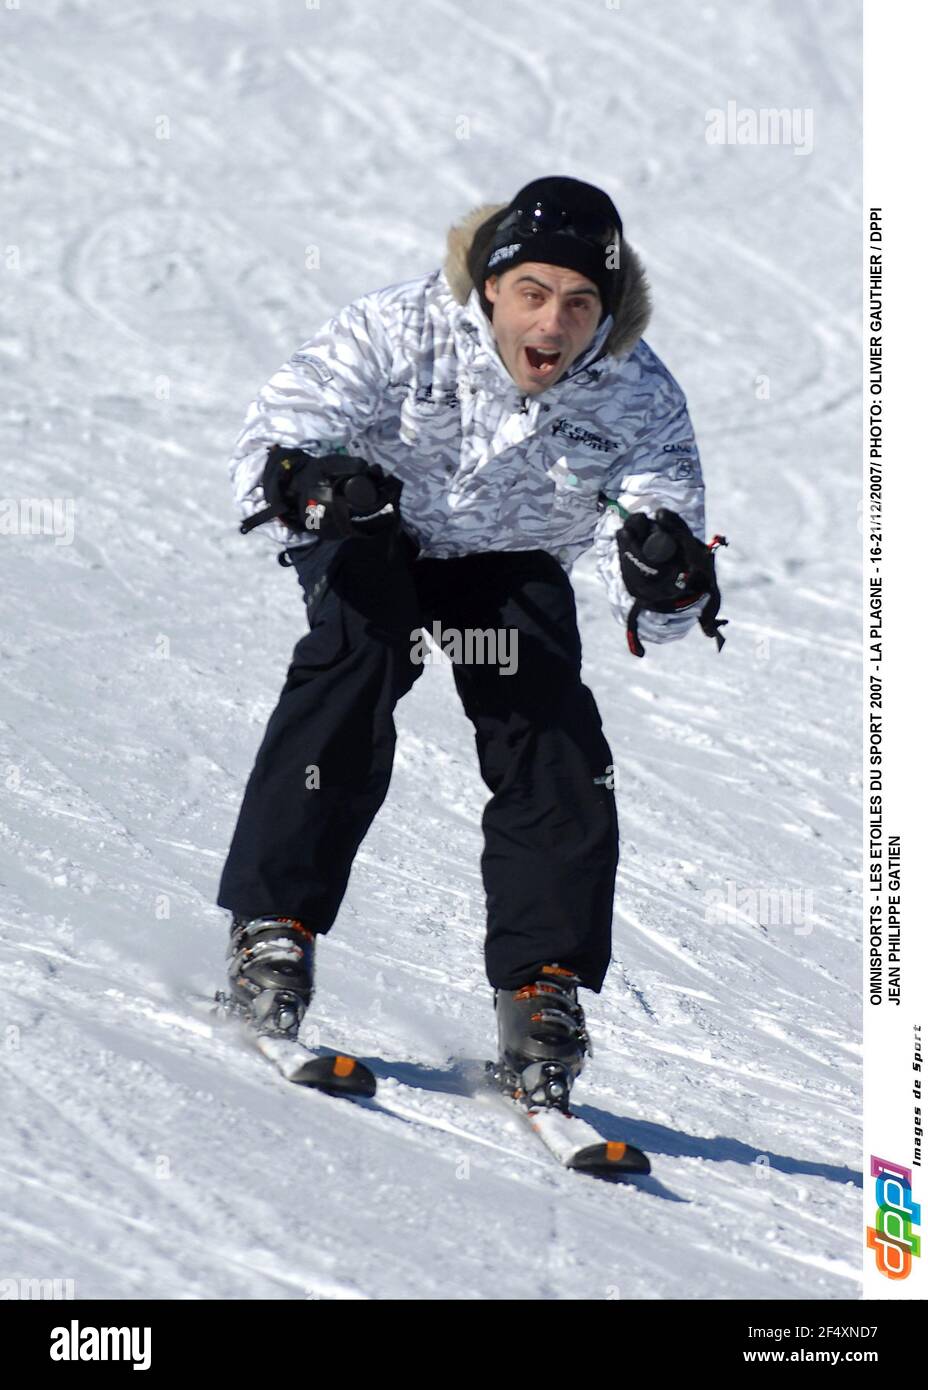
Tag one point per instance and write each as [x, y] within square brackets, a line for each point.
[630, 318]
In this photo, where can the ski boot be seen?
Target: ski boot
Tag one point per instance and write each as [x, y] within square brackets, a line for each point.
[542, 1038]
[270, 965]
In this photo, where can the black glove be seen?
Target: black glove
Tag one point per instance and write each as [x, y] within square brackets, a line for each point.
[666, 570]
[332, 495]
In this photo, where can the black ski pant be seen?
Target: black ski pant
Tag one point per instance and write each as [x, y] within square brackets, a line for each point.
[322, 771]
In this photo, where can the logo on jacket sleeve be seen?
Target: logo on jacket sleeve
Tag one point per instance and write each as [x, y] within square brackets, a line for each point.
[684, 463]
[313, 366]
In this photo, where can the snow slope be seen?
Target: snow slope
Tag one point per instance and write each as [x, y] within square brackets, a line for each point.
[164, 171]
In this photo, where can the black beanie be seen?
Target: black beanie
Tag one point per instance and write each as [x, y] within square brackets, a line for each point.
[577, 226]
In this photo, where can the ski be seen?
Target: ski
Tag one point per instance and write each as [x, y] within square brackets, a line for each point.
[573, 1142]
[338, 1074]
[334, 1073]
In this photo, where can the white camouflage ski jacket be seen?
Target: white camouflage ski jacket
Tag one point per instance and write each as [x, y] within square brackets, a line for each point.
[409, 377]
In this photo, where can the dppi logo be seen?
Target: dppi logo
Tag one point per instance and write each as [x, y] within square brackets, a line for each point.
[891, 1234]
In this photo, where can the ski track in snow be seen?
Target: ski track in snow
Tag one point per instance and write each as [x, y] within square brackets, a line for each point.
[151, 1151]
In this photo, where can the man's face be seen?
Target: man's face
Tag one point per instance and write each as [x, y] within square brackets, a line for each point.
[538, 311]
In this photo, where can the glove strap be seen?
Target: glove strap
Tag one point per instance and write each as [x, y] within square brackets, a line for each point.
[709, 619]
[631, 632]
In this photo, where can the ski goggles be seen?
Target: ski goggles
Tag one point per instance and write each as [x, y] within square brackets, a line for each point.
[543, 217]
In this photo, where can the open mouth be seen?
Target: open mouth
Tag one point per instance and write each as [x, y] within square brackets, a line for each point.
[542, 361]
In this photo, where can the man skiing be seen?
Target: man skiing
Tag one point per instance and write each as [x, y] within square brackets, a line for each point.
[441, 452]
